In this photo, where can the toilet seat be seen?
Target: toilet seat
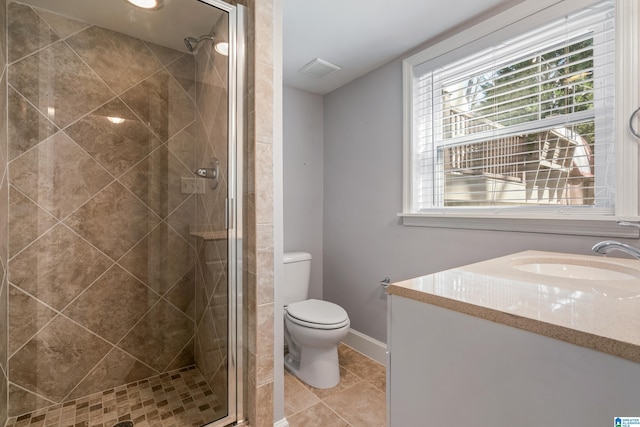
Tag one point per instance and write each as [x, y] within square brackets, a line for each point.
[317, 314]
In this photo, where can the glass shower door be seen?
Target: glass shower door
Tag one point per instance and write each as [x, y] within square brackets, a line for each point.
[216, 211]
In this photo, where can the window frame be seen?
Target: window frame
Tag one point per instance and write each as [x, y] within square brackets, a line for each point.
[509, 23]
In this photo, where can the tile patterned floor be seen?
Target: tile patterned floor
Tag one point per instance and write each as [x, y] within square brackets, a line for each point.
[177, 398]
[358, 401]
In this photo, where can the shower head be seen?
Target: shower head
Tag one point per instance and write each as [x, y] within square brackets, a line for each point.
[192, 43]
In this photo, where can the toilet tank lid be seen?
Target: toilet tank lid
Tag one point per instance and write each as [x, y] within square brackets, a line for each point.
[296, 257]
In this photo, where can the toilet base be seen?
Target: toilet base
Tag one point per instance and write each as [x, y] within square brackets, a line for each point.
[317, 367]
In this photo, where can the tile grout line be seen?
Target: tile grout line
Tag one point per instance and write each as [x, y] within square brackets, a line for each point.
[337, 414]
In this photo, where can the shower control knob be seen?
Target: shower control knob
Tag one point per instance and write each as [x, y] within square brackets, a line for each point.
[210, 173]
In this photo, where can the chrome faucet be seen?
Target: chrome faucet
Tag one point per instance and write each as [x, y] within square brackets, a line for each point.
[607, 246]
[610, 245]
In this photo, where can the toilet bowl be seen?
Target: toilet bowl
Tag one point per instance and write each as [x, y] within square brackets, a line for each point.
[313, 328]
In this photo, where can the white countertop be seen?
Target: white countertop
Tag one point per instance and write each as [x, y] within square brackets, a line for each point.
[599, 314]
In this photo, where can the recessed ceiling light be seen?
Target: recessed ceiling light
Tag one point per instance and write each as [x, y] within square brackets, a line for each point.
[147, 4]
[222, 48]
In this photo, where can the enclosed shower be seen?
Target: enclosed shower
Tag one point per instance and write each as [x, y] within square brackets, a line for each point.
[123, 253]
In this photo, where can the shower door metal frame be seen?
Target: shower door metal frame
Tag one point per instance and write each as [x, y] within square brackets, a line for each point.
[236, 136]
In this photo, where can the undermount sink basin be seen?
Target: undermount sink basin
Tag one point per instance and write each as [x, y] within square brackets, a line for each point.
[565, 268]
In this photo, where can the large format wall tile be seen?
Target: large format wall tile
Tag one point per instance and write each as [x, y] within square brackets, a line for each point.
[121, 62]
[61, 25]
[212, 271]
[182, 294]
[201, 295]
[114, 220]
[33, 316]
[220, 311]
[116, 369]
[4, 339]
[56, 359]
[159, 337]
[157, 181]
[112, 305]
[182, 220]
[160, 259]
[162, 103]
[114, 136]
[27, 32]
[58, 175]
[218, 133]
[4, 177]
[4, 218]
[184, 71]
[207, 339]
[3, 397]
[211, 91]
[4, 143]
[57, 267]
[28, 221]
[220, 380]
[27, 126]
[185, 358]
[3, 33]
[183, 146]
[22, 401]
[164, 54]
[59, 84]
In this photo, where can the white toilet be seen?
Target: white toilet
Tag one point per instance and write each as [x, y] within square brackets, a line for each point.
[312, 328]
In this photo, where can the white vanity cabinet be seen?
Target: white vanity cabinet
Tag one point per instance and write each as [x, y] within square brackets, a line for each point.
[450, 366]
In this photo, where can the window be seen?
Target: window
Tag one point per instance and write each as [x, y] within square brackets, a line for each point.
[524, 127]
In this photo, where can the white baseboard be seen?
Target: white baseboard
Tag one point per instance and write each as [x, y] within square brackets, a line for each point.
[366, 345]
[282, 423]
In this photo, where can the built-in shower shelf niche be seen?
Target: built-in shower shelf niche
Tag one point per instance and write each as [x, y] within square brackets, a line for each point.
[210, 235]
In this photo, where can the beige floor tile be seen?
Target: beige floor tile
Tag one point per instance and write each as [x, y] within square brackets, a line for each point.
[296, 396]
[347, 379]
[361, 405]
[318, 415]
[357, 362]
[379, 381]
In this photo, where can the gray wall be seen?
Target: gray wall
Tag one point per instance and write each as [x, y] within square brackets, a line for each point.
[303, 170]
[362, 236]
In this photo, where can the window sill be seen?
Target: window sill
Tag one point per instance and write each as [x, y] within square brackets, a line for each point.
[592, 226]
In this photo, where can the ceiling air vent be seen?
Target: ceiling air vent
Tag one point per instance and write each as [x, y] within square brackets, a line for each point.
[319, 68]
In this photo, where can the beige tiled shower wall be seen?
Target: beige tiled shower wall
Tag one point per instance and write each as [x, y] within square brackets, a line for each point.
[259, 215]
[4, 215]
[102, 264]
[46, 218]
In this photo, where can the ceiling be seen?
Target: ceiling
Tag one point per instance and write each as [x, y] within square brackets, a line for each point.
[167, 27]
[361, 35]
[357, 35]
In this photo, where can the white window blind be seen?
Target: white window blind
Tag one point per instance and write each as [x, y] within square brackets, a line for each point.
[526, 125]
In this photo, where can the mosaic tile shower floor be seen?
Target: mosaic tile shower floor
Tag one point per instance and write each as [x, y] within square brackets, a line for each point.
[177, 398]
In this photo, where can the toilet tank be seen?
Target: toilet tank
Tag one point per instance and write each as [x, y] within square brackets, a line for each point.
[297, 269]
